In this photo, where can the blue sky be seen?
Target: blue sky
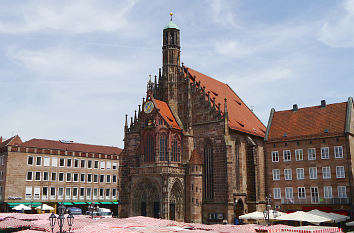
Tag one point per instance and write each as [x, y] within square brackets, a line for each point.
[72, 69]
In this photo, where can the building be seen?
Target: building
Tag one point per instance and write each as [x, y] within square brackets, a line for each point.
[193, 151]
[309, 157]
[46, 171]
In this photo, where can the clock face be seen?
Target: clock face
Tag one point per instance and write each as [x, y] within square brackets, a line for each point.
[148, 107]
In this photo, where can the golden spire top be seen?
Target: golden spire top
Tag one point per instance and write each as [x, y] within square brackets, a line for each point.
[171, 13]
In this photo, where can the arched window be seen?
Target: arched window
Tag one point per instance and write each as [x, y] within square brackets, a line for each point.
[163, 147]
[149, 149]
[208, 168]
[176, 151]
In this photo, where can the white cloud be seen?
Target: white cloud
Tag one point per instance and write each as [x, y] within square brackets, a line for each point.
[338, 31]
[222, 13]
[80, 16]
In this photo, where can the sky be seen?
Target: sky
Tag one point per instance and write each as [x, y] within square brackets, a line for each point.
[72, 69]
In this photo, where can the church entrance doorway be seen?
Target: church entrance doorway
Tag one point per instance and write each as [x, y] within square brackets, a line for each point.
[172, 211]
[176, 202]
[239, 208]
[143, 209]
[157, 209]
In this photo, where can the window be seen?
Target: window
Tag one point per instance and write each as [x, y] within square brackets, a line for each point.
[68, 162]
[44, 193]
[176, 151]
[60, 193]
[114, 179]
[277, 193]
[287, 155]
[288, 174]
[28, 192]
[326, 172]
[82, 177]
[101, 193]
[324, 153]
[61, 162]
[76, 163]
[75, 192]
[29, 176]
[45, 176]
[101, 178]
[54, 162]
[342, 192]
[313, 173]
[327, 192]
[37, 193]
[314, 195]
[95, 178]
[67, 193]
[38, 161]
[102, 165]
[52, 193]
[46, 161]
[82, 193]
[76, 177]
[338, 152]
[114, 166]
[289, 193]
[149, 150]
[95, 193]
[300, 173]
[108, 178]
[88, 193]
[208, 166]
[38, 176]
[68, 177]
[54, 176]
[299, 155]
[30, 160]
[340, 172]
[114, 193]
[83, 163]
[276, 174]
[301, 193]
[109, 164]
[96, 165]
[61, 176]
[108, 191]
[311, 152]
[89, 165]
[89, 178]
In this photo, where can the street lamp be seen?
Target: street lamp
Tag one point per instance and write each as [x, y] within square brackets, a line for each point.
[266, 212]
[61, 219]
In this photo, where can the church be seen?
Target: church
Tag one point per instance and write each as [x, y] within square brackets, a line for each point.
[193, 151]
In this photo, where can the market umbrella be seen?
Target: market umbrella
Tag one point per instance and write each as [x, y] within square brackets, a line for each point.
[333, 216]
[302, 216]
[44, 207]
[350, 224]
[254, 215]
[21, 207]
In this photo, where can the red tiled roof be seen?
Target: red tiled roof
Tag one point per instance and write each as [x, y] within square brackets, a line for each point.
[196, 158]
[58, 145]
[309, 121]
[166, 113]
[15, 140]
[241, 118]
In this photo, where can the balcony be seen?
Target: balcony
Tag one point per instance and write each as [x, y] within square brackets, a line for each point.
[316, 201]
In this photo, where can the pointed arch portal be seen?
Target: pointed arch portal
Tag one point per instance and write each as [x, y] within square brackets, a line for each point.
[146, 199]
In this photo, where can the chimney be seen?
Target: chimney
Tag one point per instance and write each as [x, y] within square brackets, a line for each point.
[295, 108]
[323, 103]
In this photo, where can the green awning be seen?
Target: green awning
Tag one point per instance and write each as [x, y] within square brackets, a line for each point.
[34, 204]
[79, 203]
[68, 203]
[106, 202]
[116, 202]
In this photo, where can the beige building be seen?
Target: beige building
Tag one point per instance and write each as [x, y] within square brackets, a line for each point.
[46, 171]
[310, 156]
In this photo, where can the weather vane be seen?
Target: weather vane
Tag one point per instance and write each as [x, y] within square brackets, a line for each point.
[171, 13]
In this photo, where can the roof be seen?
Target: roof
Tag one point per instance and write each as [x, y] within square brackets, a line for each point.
[241, 118]
[196, 158]
[308, 122]
[71, 146]
[171, 24]
[166, 113]
[15, 140]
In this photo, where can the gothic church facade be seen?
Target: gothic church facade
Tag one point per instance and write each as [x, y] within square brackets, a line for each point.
[193, 151]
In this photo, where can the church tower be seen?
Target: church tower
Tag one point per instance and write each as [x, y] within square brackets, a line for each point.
[170, 64]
